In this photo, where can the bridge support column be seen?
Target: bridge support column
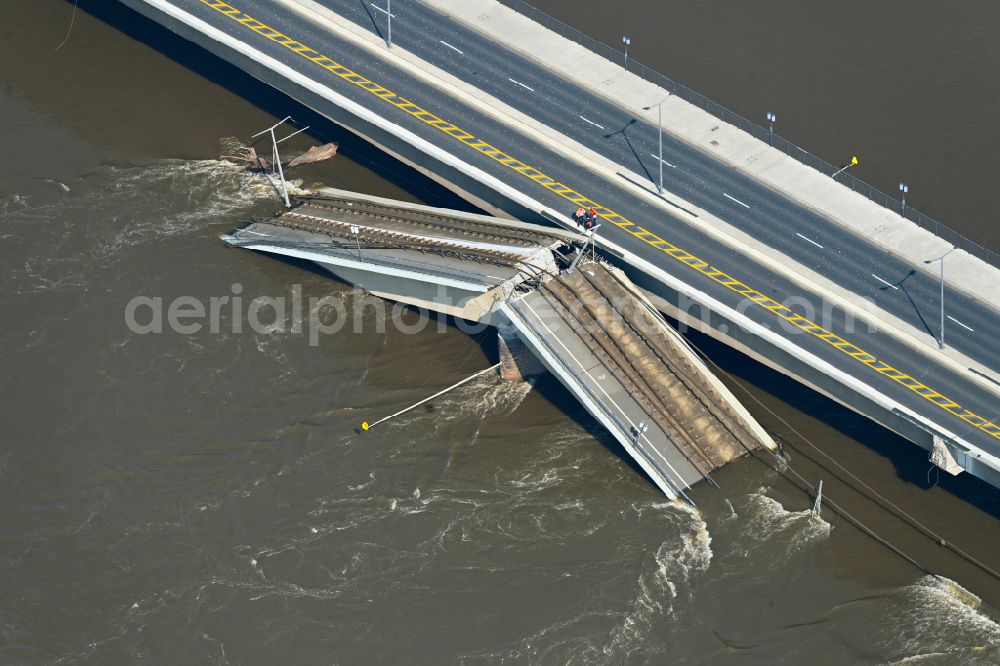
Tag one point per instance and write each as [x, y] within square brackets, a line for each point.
[517, 363]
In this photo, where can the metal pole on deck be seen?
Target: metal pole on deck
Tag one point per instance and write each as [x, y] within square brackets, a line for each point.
[388, 12]
[281, 171]
[354, 230]
[583, 250]
[931, 261]
[277, 157]
[659, 122]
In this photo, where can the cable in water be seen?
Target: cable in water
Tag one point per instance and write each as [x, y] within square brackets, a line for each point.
[70, 29]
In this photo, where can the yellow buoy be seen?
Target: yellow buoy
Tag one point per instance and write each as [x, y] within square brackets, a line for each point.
[364, 425]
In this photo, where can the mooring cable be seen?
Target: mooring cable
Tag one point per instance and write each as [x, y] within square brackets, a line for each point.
[368, 426]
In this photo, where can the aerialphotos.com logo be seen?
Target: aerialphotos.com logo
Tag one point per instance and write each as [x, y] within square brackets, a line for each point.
[319, 316]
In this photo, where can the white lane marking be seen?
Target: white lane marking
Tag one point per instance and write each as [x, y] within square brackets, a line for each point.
[664, 161]
[735, 199]
[809, 239]
[452, 47]
[518, 83]
[591, 122]
[621, 411]
[885, 282]
[960, 324]
[383, 11]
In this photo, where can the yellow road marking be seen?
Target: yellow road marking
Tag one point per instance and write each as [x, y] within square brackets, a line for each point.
[618, 220]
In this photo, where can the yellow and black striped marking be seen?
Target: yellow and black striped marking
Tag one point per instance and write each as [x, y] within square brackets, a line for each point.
[611, 216]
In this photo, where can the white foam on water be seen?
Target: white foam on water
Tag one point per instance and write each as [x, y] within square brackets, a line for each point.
[483, 397]
[371, 480]
[939, 616]
[115, 208]
[932, 620]
[497, 397]
[686, 553]
[192, 192]
[768, 522]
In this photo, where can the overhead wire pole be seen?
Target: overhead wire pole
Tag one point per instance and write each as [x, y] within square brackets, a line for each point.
[931, 261]
[659, 122]
[276, 157]
[388, 21]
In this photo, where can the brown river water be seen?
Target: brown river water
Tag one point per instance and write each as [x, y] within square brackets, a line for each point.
[206, 498]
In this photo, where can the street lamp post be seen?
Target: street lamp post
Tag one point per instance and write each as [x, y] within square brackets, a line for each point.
[638, 431]
[931, 261]
[626, 41]
[388, 21]
[659, 122]
[904, 188]
[770, 136]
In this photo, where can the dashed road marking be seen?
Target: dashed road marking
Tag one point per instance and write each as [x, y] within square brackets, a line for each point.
[454, 48]
[657, 158]
[591, 122]
[735, 199]
[518, 83]
[885, 282]
[806, 238]
[961, 324]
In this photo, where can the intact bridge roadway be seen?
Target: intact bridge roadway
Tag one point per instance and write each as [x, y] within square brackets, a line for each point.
[330, 73]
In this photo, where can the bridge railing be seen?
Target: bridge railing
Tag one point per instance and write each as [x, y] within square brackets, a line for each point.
[780, 143]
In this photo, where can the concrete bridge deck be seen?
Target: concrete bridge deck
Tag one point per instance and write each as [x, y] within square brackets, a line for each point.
[524, 155]
[582, 319]
[632, 372]
[451, 263]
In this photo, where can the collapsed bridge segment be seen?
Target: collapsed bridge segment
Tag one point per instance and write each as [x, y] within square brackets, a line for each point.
[580, 318]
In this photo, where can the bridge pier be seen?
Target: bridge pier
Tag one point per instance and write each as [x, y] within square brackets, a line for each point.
[517, 363]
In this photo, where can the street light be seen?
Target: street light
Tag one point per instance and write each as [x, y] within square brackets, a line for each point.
[388, 17]
[931, 261]
[770, 137]
[626, 41]
[904, 188]
[659, 122]
[354, 230]
[638, 431]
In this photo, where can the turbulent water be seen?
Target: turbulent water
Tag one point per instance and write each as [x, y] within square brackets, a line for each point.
[208, 497]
